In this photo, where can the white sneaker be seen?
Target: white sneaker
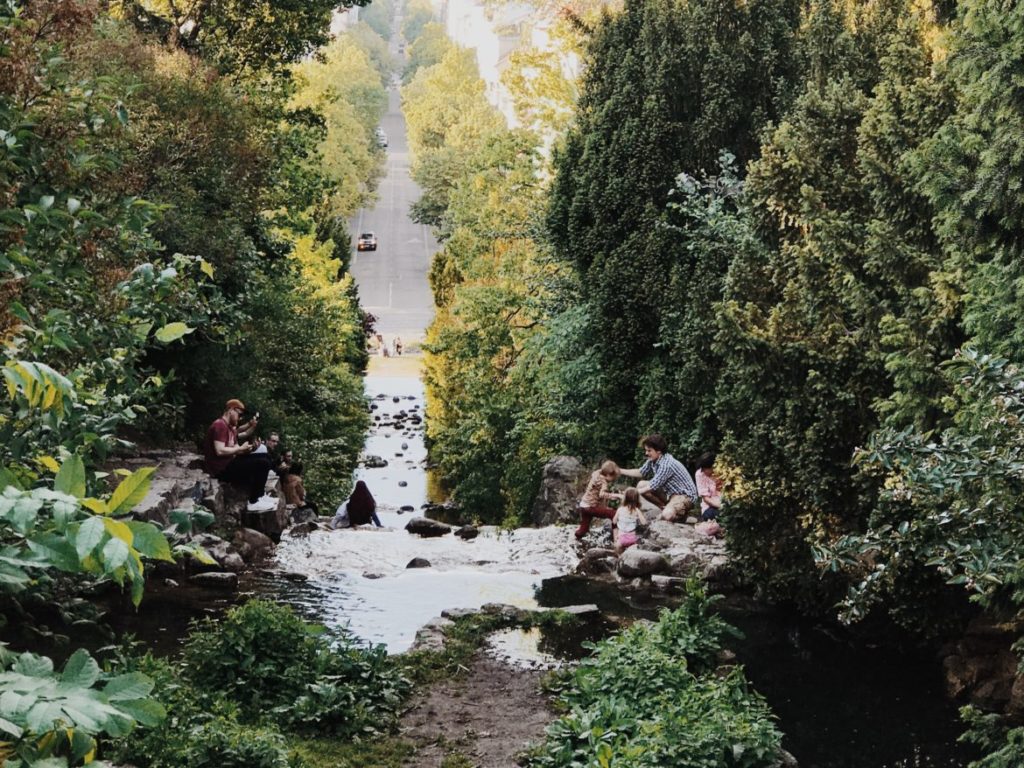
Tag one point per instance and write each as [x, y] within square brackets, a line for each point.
[264, 504]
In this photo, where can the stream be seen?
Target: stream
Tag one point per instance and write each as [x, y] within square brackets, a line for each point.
[839, 704]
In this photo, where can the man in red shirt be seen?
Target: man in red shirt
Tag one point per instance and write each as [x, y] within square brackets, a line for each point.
[235, 463]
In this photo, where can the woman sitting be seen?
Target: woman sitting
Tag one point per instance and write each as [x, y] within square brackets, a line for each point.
[360, 509]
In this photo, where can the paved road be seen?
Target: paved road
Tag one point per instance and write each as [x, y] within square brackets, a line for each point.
[393, 279]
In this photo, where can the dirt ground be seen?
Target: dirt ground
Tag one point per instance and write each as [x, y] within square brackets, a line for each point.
[484, 718]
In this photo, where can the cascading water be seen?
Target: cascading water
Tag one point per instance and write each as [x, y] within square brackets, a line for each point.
[358, 578]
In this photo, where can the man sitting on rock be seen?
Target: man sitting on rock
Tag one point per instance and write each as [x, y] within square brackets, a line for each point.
[667, 483]
[230, 462]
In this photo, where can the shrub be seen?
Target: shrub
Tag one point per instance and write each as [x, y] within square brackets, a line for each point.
[276, 667]
[638, 703]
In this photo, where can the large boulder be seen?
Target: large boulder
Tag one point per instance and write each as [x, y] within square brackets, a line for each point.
[221, 581]
[252, 545]
[562, 481]
[268, 522]
[424, 526]
[641, 562]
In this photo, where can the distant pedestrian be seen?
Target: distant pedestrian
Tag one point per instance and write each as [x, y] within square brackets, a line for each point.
[398, 346]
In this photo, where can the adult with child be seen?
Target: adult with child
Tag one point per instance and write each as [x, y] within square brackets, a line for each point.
[709, 487]
[665, 482]
[234, 462]
[359, 509]
[593, 503]
[627, 519]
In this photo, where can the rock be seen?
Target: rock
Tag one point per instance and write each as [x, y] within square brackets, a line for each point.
[402, 484]
[407, 508]
[418, 562]
[296, 577]
[399, 455]
[562, 482]
[430, 637]
[374, 462]
[467, 532]
[252, 545]
[170, 583]
[373, 575]
[587, 609]
[395, 399]
[405, 446]
[598, 566]
[668, 583]
[303, 529]
[219, 580]
[508, 612]
[302, 515]
[423, 526]
[685, 564]
[640, 562]
[458, 613]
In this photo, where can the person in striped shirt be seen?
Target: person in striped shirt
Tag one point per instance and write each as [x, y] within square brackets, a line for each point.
[664, 481]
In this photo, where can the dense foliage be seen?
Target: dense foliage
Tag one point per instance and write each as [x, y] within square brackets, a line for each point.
[650, 697]
[247, 681]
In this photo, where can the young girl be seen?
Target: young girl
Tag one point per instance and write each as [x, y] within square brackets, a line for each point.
[592, 503]
[626, 519]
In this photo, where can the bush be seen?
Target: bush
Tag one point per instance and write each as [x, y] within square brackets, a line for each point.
[276, 667]
[637, 702]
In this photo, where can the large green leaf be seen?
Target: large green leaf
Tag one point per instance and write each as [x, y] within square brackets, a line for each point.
[172, 332]
[71, 477]
[81, 670]
[128, 687]
[146, 711]
[89, 535]
[149, 541]
[115, 554]
[131, 491]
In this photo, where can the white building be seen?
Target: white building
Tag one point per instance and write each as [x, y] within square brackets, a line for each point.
[493, 33]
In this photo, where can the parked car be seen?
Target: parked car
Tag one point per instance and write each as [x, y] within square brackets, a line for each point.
[382, 138]
[367, 242]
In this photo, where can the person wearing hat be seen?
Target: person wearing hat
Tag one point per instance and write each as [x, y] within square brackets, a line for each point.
[235, 463]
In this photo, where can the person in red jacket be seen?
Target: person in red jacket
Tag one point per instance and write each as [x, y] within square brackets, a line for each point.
[233, 462]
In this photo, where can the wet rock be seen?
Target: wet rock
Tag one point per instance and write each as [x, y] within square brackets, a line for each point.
[562, 482]
[423, 526]
[374, 462]
[430, 637]
[296, 577]
[405, 446]
[399, 455]
[402, 484]
[407, 508]
[598, 561]
[373, 575]
[467, 532]
[458, 613]
[447, 511]
[685, 564]
[395, 399]
[588, 609]
[303, 529]
[668, 583]
[509, 612]
[640, 562]
[218, 580]
[302, 515]
[374, 406]
[252, 545]
[418, 562]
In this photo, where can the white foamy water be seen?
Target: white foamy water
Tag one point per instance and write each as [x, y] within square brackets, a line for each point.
[496, 567]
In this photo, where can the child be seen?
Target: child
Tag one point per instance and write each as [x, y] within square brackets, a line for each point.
[626, 519]
[709, 487]
[592, 502]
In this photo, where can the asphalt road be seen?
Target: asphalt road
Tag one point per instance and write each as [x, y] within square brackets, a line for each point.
[392, 280]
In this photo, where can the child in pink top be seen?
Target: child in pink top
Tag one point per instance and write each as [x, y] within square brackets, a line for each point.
[709, 487]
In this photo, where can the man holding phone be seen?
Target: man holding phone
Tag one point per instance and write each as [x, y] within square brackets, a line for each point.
[235, 463]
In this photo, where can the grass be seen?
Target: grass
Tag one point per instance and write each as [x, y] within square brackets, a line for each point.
[382, 752]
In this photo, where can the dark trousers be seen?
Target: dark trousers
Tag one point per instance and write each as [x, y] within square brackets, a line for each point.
[589, 513]
[248, 472]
